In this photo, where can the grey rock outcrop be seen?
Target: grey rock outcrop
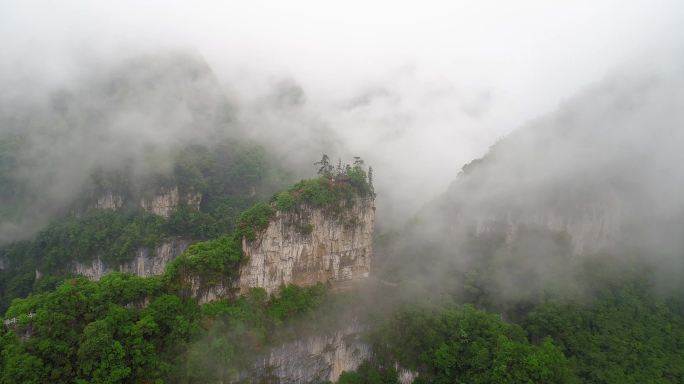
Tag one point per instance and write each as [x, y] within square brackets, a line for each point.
[309, 246]
[318, 358]
[304, 246]
[163, 203]
[313, 359]
[109, 200]
[591, 228]
[168, 199]
[147, 262]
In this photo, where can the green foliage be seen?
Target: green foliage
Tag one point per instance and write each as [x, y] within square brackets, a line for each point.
[212, 261]
[237, 330]
[101, 358]
[10, 188]
[284, 201]
[228, 168]
[83, 331]
[122, 329]
[111, 235]
[319, 192]
[624, 336]
[296, 300]
[463, 344]
[253, 220]
[231, 176]
[332, 187]
[127, 329]
[226, 210]
[358, 180]
[188, 222]
[369, 374]
[18, 365]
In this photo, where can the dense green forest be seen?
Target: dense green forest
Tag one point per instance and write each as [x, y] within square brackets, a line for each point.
[136, 330]
[627, 333]
[603, 318]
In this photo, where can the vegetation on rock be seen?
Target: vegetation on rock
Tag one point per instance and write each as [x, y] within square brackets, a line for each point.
[127, 329]
[333, 187]
[231, 177]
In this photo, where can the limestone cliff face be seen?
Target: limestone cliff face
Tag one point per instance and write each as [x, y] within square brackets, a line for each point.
[163, 203]
[168, 199]
[109, 200]
[591, 228]
[147, 262]
[304, 246]
[317, 358]
[313, 359]
[308, 246]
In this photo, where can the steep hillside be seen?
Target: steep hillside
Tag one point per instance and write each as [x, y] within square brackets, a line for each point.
[569, 228]
[600, 176]
[118, 224]
[237, 287]
[133, 116]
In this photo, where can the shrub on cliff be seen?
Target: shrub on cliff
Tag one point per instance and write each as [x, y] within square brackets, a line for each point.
[253, 220]
[211, 261]
[284, 201]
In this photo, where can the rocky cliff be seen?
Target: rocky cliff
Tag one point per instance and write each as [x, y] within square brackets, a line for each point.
[313, 359]
[162, 203]
[590, 228]
[109, 200]
[309, 245]
[317, 359]
[147, 262]
[303, 246]
[168, 199]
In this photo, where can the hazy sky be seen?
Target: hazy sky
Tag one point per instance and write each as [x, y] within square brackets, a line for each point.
[425, 85]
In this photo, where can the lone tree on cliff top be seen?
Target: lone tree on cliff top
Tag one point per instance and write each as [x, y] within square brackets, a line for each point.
[324, 166]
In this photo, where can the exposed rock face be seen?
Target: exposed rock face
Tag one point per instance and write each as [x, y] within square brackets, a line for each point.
[308, 246]
[208, 294]
[591, 228]
[93, 271]
[146, 263]
[314, 359]
[162, 204]
[317, 359]
[406, 376]
[109, 200]
[304, 246]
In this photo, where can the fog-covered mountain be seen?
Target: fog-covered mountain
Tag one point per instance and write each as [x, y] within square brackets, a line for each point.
[600, 177]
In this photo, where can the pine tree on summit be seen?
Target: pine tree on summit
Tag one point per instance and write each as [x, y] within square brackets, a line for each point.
[324, 166]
